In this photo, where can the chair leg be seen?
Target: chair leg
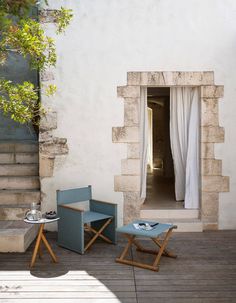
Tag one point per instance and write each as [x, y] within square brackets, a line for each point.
[98, 233]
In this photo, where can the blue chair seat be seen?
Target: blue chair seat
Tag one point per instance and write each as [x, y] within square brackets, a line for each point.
[91, 216]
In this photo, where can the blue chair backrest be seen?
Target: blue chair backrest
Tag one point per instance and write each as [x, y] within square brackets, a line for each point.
[74, 195]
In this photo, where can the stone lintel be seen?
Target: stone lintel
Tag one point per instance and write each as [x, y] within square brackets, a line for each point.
[166, 78]
[212, 134]
[211, 167]
[127, 183]
[212, 91]
[215, 183]
[126, 134]
[133, 78]
[130, 167]
[128, 91]
[207, 150]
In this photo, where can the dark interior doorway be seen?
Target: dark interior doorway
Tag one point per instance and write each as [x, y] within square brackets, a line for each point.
[160, 172]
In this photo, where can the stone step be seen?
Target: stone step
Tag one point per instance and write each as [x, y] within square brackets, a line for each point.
[13, 212]
[170, 213]
[183, 225]
[19, 169]
[19, 197]
[14, 158]
[18, 147]
[16, 236]
[19, 182]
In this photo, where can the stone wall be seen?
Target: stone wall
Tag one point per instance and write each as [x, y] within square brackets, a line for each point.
[50, 146]
[212, 181]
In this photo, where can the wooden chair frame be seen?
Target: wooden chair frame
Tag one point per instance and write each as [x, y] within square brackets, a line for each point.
[97, 233]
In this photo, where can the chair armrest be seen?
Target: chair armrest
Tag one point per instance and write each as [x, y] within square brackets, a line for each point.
[71, 207]
[103, 207]
[98, 201]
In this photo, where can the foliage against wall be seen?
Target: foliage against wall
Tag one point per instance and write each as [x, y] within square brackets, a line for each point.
[21, 33]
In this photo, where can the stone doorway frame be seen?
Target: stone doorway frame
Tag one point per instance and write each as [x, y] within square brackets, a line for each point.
[212, 181]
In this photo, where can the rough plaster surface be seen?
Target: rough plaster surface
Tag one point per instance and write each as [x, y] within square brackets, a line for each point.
[108, 38]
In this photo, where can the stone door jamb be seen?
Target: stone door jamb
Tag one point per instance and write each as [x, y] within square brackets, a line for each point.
[212, 181]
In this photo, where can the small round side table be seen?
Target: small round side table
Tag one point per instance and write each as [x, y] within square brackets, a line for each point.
[41, 237]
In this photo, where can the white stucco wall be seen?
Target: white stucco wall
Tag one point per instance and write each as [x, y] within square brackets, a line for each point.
[106, 39]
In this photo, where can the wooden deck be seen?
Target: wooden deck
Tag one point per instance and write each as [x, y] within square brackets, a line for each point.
[204, 272]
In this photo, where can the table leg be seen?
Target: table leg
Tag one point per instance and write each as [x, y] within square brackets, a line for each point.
[49, 248]
[37, 244]
[40, 251]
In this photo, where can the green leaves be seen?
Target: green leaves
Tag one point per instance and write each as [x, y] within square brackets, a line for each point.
[63, 18]
[21, 33]
[27, 38]
[50, 90]
[19, 101]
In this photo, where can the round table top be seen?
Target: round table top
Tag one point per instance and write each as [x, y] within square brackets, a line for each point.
[41, 221]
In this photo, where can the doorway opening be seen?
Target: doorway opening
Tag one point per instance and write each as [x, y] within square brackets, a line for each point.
[160, 186]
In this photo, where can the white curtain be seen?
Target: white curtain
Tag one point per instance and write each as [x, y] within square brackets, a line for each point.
[150, 140]
[143, 141]
[184, 137]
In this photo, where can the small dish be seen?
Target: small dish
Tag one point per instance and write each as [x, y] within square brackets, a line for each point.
[50, 215]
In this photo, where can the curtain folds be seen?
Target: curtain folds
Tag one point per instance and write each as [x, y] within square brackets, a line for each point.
[143, 141]
[184, 136]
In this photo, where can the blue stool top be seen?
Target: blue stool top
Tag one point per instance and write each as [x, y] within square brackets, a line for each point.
[155, 232]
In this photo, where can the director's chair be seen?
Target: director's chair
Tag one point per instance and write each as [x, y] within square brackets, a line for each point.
[99, 220]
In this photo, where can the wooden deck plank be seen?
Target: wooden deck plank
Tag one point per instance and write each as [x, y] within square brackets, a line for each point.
[204, 272]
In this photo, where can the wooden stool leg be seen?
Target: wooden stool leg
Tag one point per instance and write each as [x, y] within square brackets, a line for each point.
[166, 252]
[122, 259]
[97, 234]
[126, 249]
[162, 248]
[54, 258]
[37, 244]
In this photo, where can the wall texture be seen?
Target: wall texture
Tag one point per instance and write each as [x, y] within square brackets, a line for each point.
[108, 38]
